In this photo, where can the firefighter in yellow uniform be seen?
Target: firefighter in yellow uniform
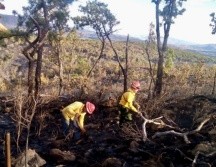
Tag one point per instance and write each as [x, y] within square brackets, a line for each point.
[127, 104]
[76, 112]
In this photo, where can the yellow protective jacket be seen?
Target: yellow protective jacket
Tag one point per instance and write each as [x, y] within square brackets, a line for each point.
[127, 100]
[75, 112]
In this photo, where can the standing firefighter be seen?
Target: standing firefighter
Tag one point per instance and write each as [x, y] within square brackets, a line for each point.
[76, 112]
[127, 104]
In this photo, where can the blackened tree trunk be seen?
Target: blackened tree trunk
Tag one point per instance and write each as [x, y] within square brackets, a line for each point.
[31, 76]
[213, 90]
[38, 71]
[159, 82]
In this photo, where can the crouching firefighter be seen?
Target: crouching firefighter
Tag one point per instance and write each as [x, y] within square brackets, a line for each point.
[76, 112]
[127, 104]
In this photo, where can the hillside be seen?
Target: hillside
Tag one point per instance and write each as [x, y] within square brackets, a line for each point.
[180, 125]
[207, 49]
[174, 130]
[13, 61]
[9, 21]
[204, 49]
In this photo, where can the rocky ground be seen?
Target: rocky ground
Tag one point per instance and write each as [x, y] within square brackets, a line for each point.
[184, 136]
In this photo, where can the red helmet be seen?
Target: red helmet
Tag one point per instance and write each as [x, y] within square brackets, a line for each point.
[135, 85]
[90, 107]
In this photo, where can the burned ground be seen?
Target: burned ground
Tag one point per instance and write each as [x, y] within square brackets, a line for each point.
[106, 144]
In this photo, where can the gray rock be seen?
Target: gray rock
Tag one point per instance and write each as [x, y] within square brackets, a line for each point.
[32, 159]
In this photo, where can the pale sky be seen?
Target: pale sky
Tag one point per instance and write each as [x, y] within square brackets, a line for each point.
[135, 17]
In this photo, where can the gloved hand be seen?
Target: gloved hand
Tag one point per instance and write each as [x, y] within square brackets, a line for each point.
[139, 113]
[136, 105]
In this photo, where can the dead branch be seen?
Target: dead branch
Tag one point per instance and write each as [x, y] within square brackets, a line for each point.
[169, 120]
[156, 121]
[8, 100]
[200, 126]
[185, 134]
[204, 163]
[211, 154]
[195, 159]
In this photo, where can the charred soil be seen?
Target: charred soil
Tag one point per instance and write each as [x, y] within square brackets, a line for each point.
[106, 144]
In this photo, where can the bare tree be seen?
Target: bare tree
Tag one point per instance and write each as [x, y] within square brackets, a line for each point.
[98, 17]
[171, 9]
[39, 19]
[150, 46]
[37, 22]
